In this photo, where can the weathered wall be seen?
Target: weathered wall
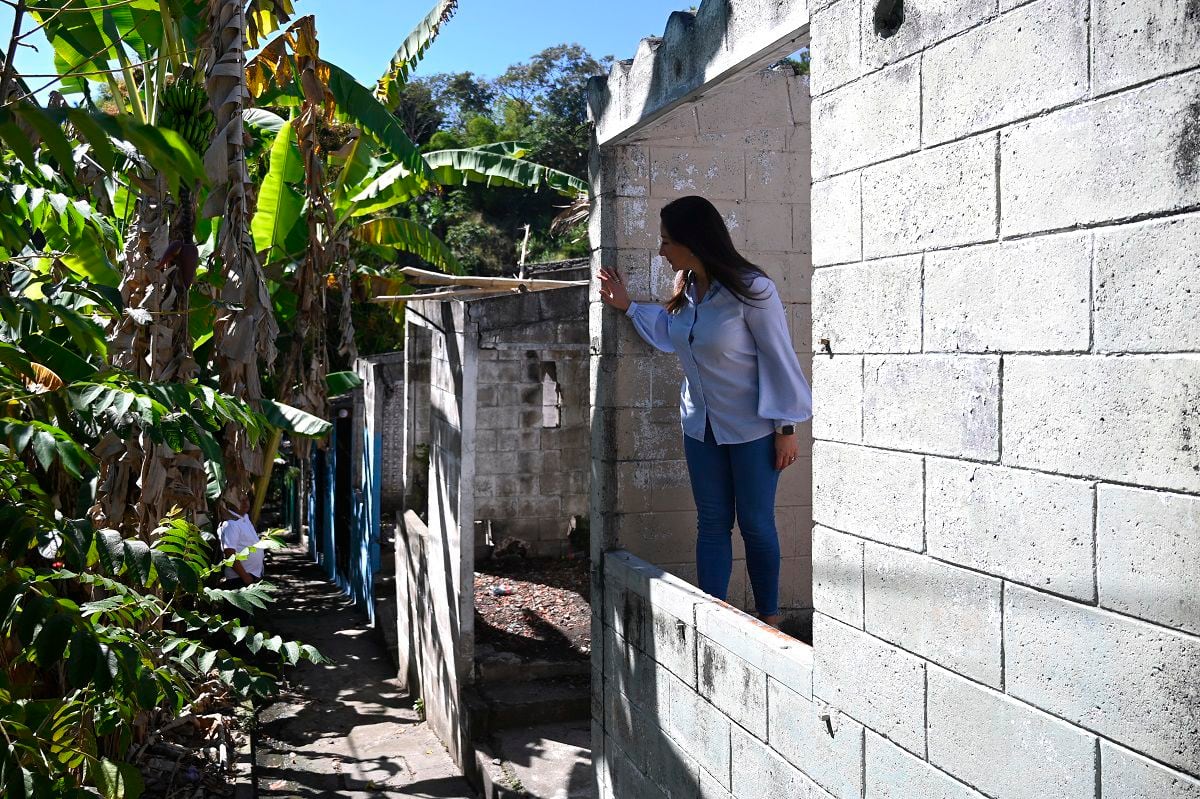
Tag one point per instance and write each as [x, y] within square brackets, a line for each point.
[1006, 479]
[435, 594]
[531, 445]
[746, 149]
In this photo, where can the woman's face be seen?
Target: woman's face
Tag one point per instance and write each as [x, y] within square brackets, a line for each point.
[678, 256]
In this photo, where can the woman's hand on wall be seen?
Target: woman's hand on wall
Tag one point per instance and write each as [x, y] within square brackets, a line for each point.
[786, 448]
[612, 289]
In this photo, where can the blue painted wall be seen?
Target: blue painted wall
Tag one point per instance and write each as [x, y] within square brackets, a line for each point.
[353, 570]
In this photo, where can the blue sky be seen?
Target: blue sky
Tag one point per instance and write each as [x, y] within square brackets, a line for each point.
[485, 36]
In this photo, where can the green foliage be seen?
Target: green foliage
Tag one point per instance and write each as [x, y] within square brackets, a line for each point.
[109, 629]
[98, 631]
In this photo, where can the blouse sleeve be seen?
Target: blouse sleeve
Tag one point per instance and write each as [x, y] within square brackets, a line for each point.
[784, 395]
[652, 323]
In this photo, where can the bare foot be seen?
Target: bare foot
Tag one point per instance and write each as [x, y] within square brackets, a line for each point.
[774, 620]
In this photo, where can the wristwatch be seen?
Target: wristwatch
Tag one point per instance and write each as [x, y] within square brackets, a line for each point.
[786, 429]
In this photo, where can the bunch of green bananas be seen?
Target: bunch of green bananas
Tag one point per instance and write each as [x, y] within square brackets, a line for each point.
[183, 107]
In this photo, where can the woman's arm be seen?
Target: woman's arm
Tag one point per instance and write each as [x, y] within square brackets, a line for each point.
[649, 319]
[784, 395]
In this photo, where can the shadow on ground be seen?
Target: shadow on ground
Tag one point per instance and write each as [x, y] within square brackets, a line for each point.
[344, 728]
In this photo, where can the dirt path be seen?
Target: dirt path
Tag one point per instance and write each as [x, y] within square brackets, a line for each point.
[345, 729]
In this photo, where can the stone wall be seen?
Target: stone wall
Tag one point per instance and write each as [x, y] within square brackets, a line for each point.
[746, 149]
[1005, 476]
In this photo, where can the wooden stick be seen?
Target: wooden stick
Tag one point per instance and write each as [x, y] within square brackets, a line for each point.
[498, 283]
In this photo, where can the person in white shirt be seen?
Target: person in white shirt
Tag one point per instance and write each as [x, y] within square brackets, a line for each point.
[235, 535]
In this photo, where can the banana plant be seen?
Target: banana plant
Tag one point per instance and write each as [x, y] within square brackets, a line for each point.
[149, 56]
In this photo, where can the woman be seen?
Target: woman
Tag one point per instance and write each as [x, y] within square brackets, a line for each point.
[743, 392]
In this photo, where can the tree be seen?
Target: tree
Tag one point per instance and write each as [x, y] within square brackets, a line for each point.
[461, 95]
[419, 111]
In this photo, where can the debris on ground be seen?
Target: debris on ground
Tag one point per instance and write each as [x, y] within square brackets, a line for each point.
[534, 607]
[193, 755]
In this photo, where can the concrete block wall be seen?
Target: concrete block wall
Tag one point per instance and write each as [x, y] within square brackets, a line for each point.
[746, 148]
[532, 441]
[1005, 474]
[1005, 220]
[692, 698]
[435, 555]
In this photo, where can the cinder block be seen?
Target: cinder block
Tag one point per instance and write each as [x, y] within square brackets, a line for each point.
[633, 486]
[926, 23]
[795, 484]
[835, 45]
[630, 781]
[702, 730]
[941, 612]
[940, 404]
[1132, 420]
[629, 170]
[974, 730]
[1027, 295]
[759, 100]
[837, 397]
[823, 743]
[1134, 42]
[876, 118]
[783, 658]
[768, 226]
[1023, 526]
[837, 219]
[629, 671]
[802, 231]
[971, 83]
[1129, 776]
[1146, 287]
[659, 537]
[944, 197]
[780, 177]
[668, 765]
[673, 644]
[710, 787]
[869, 493]
[636, 222]
[713, 173]
[647, 435]
[1147, 555]
[800, 322]
[893, 773]
[670, 486]
[795, 583]
[734, 687]
[625, 722]
[874, 682]
[838, 576]
[870, 307]
[1088, 164]
[1130, 681]
[759, 771]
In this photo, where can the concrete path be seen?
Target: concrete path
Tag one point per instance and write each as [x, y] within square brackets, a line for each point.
[344, 729]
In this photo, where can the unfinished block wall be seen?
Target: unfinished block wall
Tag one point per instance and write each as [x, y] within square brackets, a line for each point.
[531, 442]
[1006, 481]
[435, 555]
[746, 148]
[1006, 475]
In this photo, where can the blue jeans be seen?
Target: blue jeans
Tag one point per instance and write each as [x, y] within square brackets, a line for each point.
[741, 478]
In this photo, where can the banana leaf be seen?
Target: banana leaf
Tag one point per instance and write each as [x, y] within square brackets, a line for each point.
[408, 236]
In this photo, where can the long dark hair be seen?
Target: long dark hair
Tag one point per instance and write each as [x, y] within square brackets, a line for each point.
[695, 223]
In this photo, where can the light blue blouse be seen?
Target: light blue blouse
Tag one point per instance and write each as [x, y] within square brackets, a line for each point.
[739, 369]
